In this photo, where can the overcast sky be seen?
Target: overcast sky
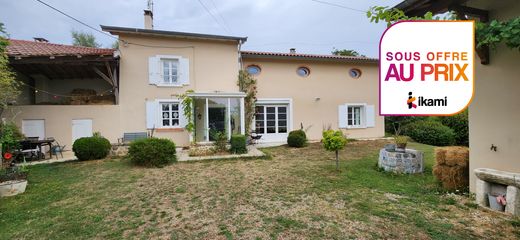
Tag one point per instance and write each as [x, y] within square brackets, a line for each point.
[270, 25]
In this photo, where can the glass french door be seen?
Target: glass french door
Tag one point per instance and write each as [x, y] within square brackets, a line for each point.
[271, 119]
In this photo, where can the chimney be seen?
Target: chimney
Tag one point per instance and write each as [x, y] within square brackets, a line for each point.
[40, 39]
[148, 19]
[292, 50]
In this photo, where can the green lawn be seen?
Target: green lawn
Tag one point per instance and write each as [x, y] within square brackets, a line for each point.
[295, 195]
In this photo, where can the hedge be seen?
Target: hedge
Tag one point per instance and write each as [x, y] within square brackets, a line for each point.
[431, 133]
[152, 152]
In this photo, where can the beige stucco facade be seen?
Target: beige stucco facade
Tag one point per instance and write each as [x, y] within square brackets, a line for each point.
[214, 65]
[494, 115]
[315, 98]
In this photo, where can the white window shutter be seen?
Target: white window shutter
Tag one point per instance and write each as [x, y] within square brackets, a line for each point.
[370, 116]
[184, 73]
[154, 70]
[151, 114]
[342, 116]
[183, 121]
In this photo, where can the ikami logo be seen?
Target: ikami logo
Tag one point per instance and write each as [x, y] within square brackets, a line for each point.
[419, 64]
[426, 102]
[410, 101]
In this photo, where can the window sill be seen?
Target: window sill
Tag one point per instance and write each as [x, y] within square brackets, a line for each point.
[170, 85]
[174, 129]
[356, 127]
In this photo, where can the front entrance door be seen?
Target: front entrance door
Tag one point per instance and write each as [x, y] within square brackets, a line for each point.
[216, 121]
[81, 128]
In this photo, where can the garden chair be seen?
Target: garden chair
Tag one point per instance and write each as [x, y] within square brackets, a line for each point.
[56, 147]
[254, 137]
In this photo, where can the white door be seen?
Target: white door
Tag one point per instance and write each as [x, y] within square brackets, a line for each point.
[34, 128]
[81, 128]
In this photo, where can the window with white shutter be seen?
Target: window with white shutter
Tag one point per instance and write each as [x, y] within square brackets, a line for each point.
[169, 71]
[356, 115]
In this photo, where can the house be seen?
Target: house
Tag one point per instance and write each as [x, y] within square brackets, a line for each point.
[493, 114]
[144, 78]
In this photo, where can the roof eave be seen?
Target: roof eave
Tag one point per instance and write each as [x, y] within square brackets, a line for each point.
[309, 58]
[115, 30]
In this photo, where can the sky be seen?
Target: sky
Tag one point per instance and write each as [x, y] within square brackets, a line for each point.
[270, 25]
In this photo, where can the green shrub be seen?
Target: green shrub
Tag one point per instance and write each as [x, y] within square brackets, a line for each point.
[459, 124]
[152, 152]
[431, 132]
[10, 134]
[395, 123]
[89, 148]
[297, 138]
[220, 140]
[238, 144]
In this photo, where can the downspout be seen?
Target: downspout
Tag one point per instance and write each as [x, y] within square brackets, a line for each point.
[240, 63]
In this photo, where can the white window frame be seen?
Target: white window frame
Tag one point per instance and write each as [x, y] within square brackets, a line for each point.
[362, 117]
[172, 62]
[160, 113]
[276, 119]
[279, 102]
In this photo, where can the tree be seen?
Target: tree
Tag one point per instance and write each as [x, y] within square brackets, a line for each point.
[334, 141]
[115, 45]
[346, 52]
[84, 39]
[8, 84]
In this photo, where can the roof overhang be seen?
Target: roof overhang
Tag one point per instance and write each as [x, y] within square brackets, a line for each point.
[151, 32]
[307, 57]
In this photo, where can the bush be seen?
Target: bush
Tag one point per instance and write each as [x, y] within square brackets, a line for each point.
[393, 124]
[89, 148]
[297, 139]
[220, 140]
[10, 134]
[238, 144]
[459, 124]
[152, 152]
[430, 132]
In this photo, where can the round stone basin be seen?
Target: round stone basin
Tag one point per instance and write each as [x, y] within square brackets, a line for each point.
[407, 161]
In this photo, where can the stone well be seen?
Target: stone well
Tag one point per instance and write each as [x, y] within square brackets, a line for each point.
[408, 161]
[491, 181]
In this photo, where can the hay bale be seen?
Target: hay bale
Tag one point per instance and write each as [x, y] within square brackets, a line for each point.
[452, 156]
[457, 156]
[452, 177]
[440, 156]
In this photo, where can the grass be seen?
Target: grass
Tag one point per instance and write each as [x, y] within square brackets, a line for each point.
[294, 194]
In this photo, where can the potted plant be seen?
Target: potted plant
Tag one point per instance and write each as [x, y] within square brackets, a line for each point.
[401, 141]
[13, 179]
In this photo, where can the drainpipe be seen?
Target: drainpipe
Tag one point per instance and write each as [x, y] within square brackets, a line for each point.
[240, 63]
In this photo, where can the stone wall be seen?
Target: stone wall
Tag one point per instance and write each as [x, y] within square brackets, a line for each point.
[118, 150]
[410, 161]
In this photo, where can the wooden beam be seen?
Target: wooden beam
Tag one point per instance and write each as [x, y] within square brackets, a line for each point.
[102, 75]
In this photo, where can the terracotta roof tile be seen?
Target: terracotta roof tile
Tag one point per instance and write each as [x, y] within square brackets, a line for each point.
[32, 49]
[310, 56]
